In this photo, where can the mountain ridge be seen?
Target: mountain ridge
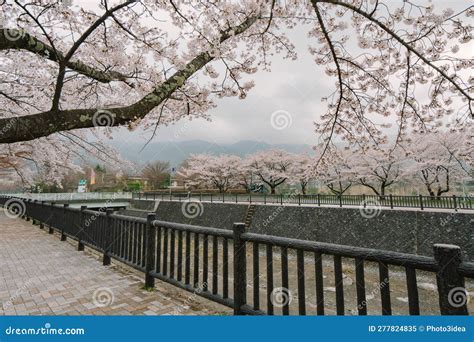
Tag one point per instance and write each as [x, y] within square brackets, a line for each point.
[175, 152]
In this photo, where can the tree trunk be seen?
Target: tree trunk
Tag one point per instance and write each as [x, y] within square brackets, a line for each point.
[303, 189]
[382, 192]
[430, 191]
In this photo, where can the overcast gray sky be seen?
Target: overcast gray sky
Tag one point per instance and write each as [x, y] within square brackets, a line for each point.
[292, 89]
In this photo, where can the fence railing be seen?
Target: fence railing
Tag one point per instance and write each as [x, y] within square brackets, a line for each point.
[73, 196]
[389, 201]
[239, 269]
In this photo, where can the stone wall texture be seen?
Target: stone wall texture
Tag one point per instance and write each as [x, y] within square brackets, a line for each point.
[143, 205]
[395, 230]
[217, 215]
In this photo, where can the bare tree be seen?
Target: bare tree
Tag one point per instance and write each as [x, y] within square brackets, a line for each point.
[157, 173]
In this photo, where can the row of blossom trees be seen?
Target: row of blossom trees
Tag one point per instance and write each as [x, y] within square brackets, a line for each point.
[435, 161]
[72, 71]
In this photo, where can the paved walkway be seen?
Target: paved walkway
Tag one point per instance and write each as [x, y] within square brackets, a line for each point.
[40, 275]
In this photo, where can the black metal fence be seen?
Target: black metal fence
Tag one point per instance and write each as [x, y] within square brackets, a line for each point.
[222, 265]
[389, 201]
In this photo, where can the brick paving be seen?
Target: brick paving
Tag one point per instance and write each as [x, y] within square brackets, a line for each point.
[40, 275]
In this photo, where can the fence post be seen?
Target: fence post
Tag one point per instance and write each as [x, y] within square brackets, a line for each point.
[236, 200]
[33, 221]
[41, 222]
[63, 236]
[240, 269]
[299, 199]
[80, 245]
[149, 250]
[364, 201]
[51, 219]
[223, 197]
[281, 199]
[421, 201]
[455, 203]
[452, 293]
[25, 215]
[391, 201]
[340, 200]
[108, 237]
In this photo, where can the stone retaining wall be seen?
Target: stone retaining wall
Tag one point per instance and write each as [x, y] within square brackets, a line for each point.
[406, 231]
[217, 215]
[396, 230]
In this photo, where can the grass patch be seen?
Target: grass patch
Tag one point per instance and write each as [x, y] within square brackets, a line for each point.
[148, 288]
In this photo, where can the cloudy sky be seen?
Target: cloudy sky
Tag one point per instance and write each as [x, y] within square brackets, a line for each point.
[292, 92]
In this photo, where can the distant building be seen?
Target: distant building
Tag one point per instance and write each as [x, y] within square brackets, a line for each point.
[177, 182]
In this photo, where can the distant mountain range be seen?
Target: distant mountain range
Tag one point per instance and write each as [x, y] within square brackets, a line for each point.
[176, 152]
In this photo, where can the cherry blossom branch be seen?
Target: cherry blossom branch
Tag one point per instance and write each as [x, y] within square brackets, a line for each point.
[405, 44]
[38, 125]
[62, 62]
[25, 41]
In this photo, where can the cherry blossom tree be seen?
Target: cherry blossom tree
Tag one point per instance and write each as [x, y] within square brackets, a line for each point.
[334, 170]
[272, 167]
[378, 169]
[439, 161]
[300, 171]
[244, 174]
[216, 171]
[66, 70]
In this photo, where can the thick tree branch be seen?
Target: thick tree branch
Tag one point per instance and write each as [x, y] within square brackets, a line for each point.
[408, 46]
[14, 39]
[339, 74]
[38, 125]
[77, 44]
